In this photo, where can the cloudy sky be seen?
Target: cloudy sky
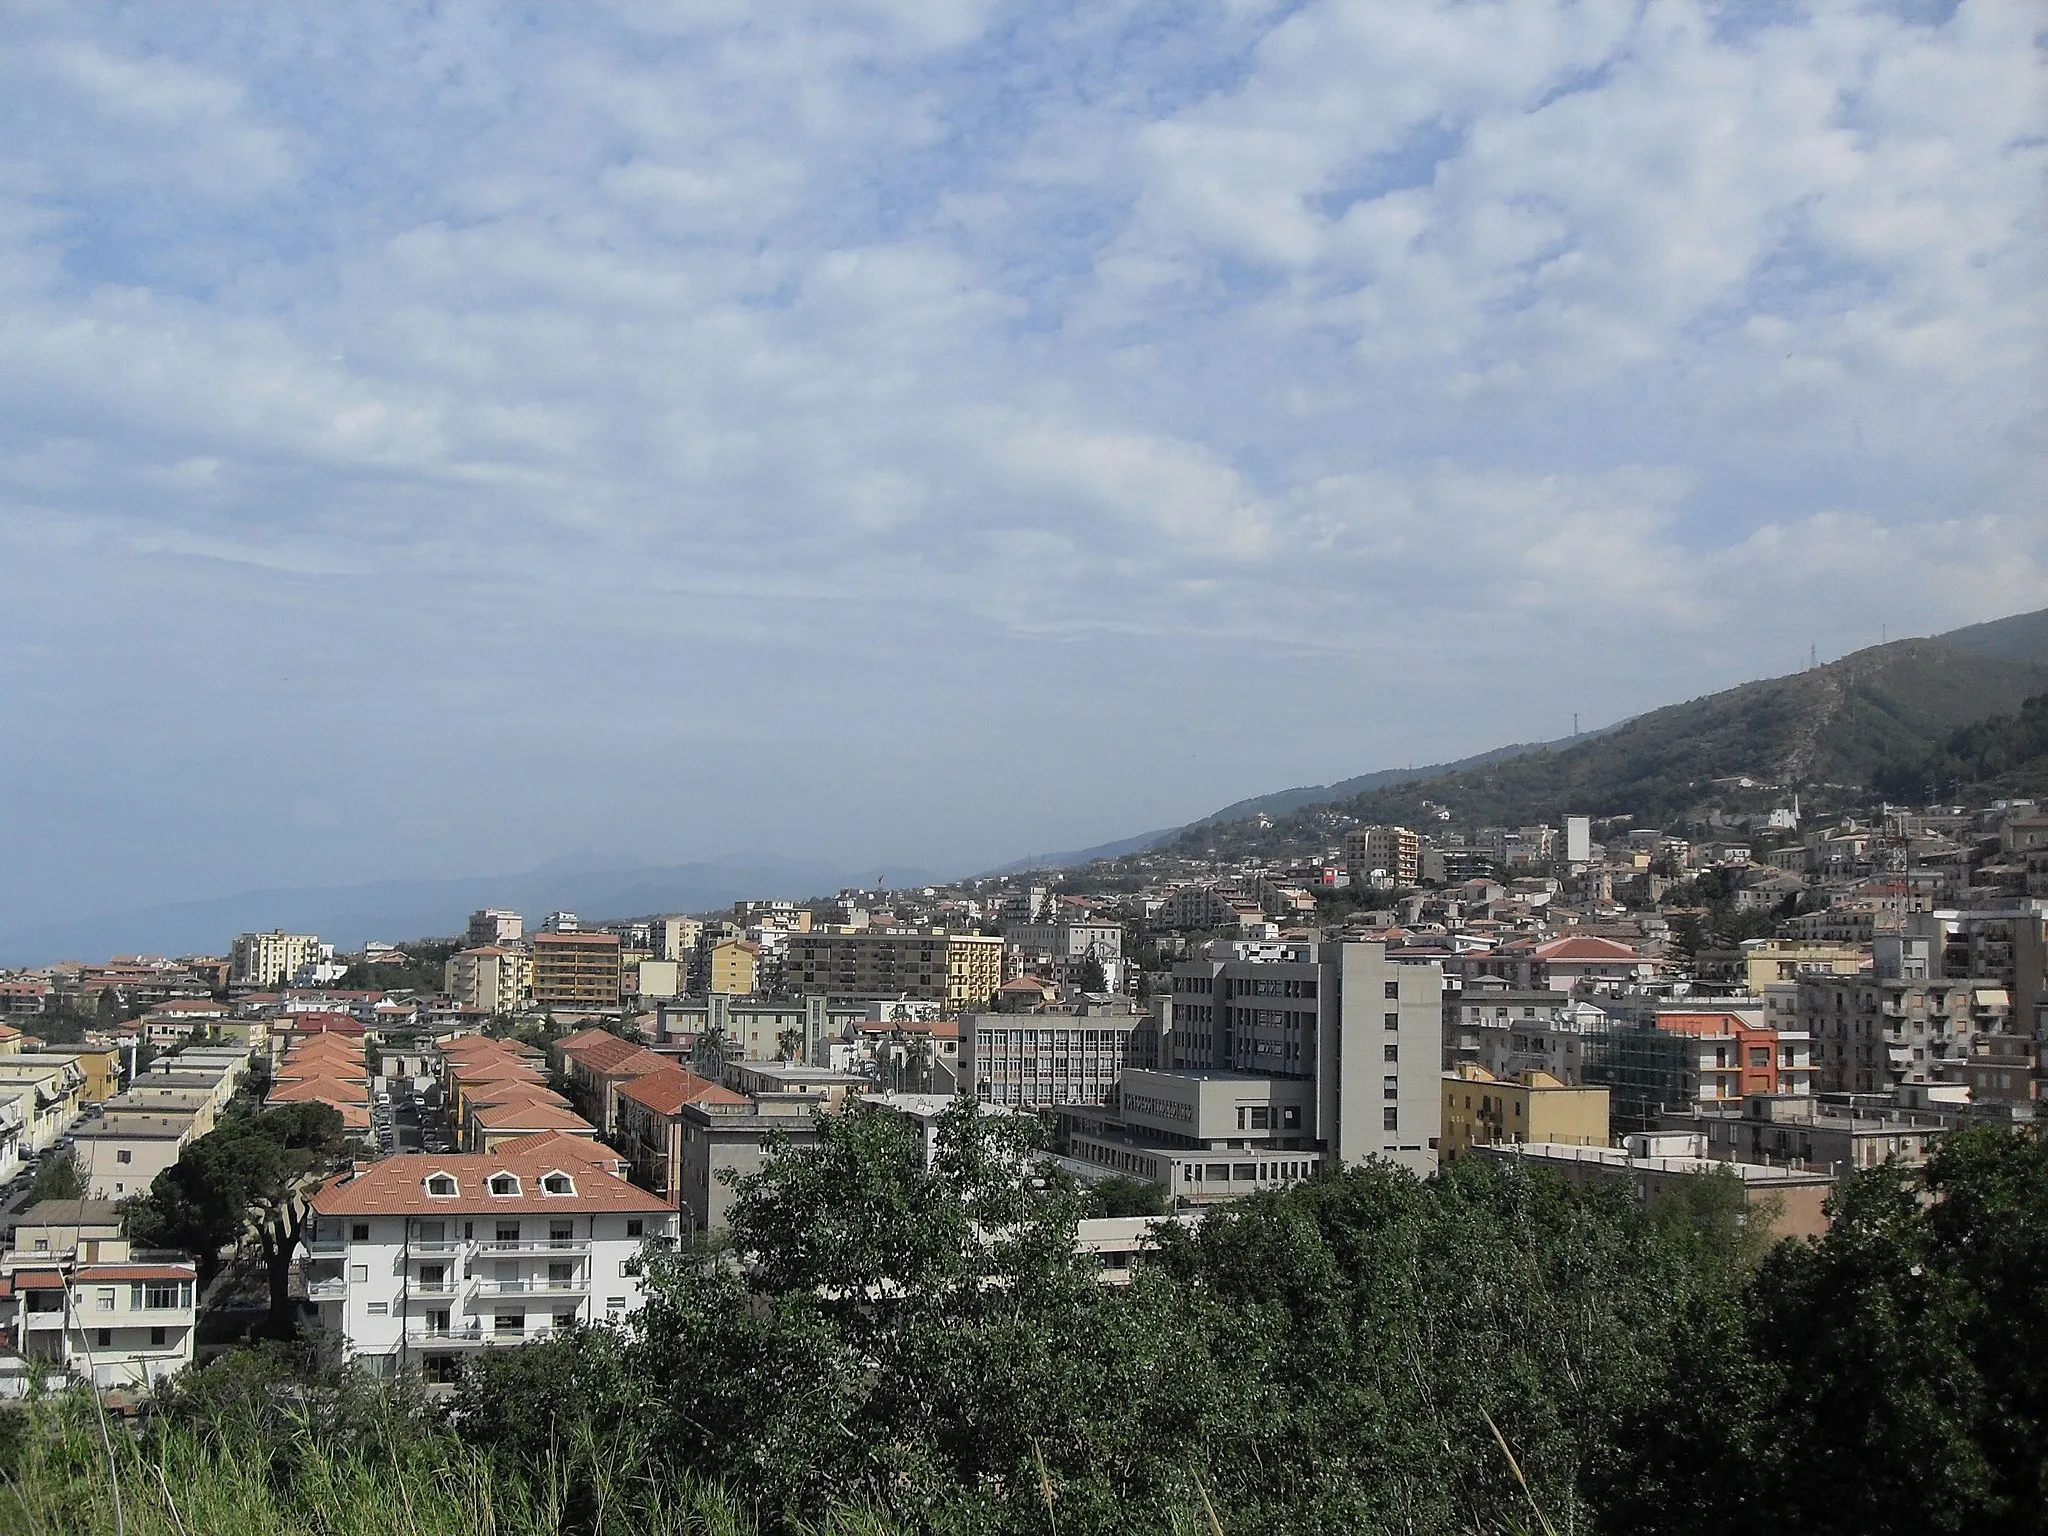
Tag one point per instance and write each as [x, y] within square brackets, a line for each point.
[436, 438]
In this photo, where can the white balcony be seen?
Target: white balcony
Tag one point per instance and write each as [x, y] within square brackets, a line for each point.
[334, 1289]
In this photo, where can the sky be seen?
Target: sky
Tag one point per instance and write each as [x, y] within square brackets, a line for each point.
[435, 439]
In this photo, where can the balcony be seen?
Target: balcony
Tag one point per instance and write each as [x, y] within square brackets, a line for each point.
[327, 1247]
[535, 1287]
[432, 1287]
[333, 1289]
[502, 1248]
[455, 1333]
[432, 1246]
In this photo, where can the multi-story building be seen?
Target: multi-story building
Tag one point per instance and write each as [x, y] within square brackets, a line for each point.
[1837, 1134]
[1395, 852]
[675, 937]
[263, 961]
[493, 926]
[576, 971]
[1365, 1028]
[418, 1257]
[1037, 1060]
[650, 1124]
[1481, 1109]
[1663, 1059]
[1203, 1137]
[735, 968]
[490, 978]
[1065, 951]
[1509, 1031]
[957, 970]
[1874, 1033]
[724, 1133]
[78, 1298]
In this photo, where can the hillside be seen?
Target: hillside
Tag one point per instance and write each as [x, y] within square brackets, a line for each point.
[1832, 733]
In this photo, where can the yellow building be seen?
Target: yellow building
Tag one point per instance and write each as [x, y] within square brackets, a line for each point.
[1788, 959]
[957, 970]
[1481, 1109]
[735, 967]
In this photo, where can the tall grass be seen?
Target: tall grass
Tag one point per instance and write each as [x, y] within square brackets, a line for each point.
[176, 1480]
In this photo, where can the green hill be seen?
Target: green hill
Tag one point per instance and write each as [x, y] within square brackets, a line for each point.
[1837, 734]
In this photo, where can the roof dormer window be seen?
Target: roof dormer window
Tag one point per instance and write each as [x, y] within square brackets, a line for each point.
[557, 1183]
[503, 1184]
[442, 1185]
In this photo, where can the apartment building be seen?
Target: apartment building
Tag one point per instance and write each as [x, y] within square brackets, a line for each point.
[1365, 1028]
[1396, 852]
[1481, 1109]
[77, 1297]
[1057, 1056]
[494, 927]
[650, 1124]
[491, 978]
[675, 938]
[1065, 950]
[1836, 1134]
[119, 1154]
[1874, 1033]
[1509, 1030]
[956, 970]
[264, 961]
[577, 972]
[731, 1133]
[733, 968]
[419, 1257]
[50, 1094]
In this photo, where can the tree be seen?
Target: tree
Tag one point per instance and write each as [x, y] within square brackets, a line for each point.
[57, 1179]
[1092, 977]
[253, 1171]
[1120, 1196]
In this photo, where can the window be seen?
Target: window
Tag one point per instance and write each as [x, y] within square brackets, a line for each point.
[103, 1338]
[1390, 1118]
[1393, 1052]
[561, 1275]
[1393, 1021]
[359, 1273]
[442, 1185]
[502, 1184]
[105, 1300]
[158, 1337]
[380, 1309]
[1393, 991]
[160, 1294]
[1390, 1087]
[509, 1322]
[359, 1232]
[565, 1319]
[557, 1183]
[561, 1233]
[507, 1232]
[123, 1155]
[634, 1226]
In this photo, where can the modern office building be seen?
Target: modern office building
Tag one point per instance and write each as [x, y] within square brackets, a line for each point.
[1053, 1057]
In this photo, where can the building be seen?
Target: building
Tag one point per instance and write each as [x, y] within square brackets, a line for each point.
[1657, 1165]
[734, 968]
[1202, 1136]
[490, 978]
[1481, 1109]
[419, 1257]
[492, 927]
[50, 1093]
[1585, 963]
[576, 972]
[729, 1133]
[76, 1297]
[1394, 852]
[265, 961]
[1509, 1030]
[1873, 1033]
[1067, 952]
[1668, 1059]
[650, 1122]
[1037, 1060]
[957, 970]
[119, 1154]
[675, 938]
[757, 1028]
[1836, 1134]
[1363, 1026]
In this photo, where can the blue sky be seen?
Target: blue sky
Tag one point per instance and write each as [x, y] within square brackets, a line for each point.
[434, 439]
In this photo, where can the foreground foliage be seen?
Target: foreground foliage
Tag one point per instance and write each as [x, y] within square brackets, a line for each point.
[1488, 1352]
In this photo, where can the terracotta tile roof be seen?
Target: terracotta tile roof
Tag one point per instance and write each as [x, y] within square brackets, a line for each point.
[38, 1280]
[584, 1037]
[599, 1054]
[668, 1090]
[533, 1116]
[139, 1272]
[396, 1186]
[567, 1152]
[490, 1095]
[325, 1090]
[638, 1063]
[1585, 948]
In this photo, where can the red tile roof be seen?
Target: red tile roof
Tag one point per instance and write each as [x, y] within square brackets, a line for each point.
[667, 1091]
[598, 1055]
[139, 1272]
[528, 1115]
[397, 1186]
[1585, 948]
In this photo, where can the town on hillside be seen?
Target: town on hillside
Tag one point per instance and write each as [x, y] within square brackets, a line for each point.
[432, 1147]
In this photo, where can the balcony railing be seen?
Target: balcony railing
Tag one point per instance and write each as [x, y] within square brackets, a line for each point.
[509, 1246]
[455, 1333]
[432, 1287]
[334, 1289]
[327, 1247]
[531, 1287]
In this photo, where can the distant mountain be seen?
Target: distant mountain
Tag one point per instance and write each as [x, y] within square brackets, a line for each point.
[1838, 728]
[348, 916]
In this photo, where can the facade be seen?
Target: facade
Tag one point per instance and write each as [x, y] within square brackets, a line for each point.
[1873, 1034]
[119, 1155]
[675, 938]
[1064, 950]
[1667, 1060]
[1481, 1109]
[1509, 1030]
[1837, 1134]
[650, 1125]
[491, 978]
[734, 968]
[491, 927]
[1394, 851]
[957, 970]
[75, 1296]
[719, 1134]
[1365, 1028]
[267, 960]
[419, 1257]
[578, 972]
[1204, 1137]
[1037, 1060]
[758, 1028]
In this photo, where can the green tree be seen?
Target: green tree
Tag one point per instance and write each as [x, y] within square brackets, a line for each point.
[1120, 1196]
[57, 1178]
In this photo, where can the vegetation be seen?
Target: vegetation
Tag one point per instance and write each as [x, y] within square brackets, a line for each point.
[1849, 724]
[888, 1346]
[2006, 754]
[57, 1178]
[420, 971]
[251, 1172]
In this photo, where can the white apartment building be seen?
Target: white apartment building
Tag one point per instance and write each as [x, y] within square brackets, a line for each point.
[420, 1257]
[492, 978]
[268, 960]
[78, 1299]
